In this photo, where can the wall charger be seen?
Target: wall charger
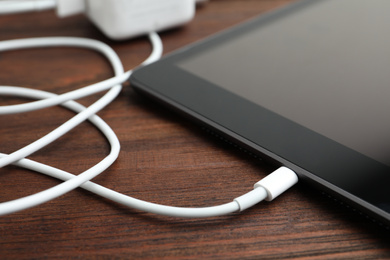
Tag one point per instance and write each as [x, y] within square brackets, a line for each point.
[123, 19]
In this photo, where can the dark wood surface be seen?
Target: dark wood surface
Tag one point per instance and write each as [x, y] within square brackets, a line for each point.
[164, 159]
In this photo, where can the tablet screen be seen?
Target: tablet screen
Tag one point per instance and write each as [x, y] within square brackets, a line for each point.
[331, 75]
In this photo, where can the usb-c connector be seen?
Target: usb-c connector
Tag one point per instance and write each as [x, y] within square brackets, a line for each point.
[268, 188]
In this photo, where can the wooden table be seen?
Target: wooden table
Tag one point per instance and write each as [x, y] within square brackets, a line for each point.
[164, 159]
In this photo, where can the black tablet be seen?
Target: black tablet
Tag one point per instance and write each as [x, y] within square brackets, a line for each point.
[307, 86]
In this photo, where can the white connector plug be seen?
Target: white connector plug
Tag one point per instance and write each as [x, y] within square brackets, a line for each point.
[123, 19]
[277, 182]
[70, 7]
[268, 188]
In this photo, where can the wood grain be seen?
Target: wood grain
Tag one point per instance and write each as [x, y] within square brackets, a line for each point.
[164, 159]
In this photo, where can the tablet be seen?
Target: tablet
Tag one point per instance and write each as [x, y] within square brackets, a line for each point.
[307, 86]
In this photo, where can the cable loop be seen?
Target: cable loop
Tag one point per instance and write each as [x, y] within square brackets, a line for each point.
[82, 114]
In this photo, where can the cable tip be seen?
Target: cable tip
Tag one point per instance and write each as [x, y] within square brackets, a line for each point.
[278, 182]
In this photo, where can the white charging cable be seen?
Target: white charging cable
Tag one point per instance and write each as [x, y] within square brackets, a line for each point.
[268, 188]
[23, 6]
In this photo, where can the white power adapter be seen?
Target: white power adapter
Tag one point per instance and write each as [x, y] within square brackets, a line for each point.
[122, 19]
